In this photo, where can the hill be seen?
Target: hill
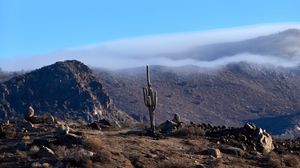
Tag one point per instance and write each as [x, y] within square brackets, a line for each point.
[66, 90]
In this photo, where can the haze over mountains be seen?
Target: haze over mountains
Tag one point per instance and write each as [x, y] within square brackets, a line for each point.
[280, 44]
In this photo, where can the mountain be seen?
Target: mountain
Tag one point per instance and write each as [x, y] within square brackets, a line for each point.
[67, 90]
[236, 94]
[284, 45]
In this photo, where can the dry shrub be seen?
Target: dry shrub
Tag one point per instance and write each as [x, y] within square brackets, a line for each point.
[102, 156]
[88, 164]
[274, 160]
[40, 165]
[189, 132]
[94, 143]
[21, 154]
[292, 161]
[76, 153]
[174, 163]
[34, 149]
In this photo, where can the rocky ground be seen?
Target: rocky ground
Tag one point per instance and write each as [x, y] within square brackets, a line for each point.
[103, 144]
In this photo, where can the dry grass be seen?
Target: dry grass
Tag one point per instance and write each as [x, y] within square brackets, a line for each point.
[94, 143]
[175, 163]
[76, 153]
[277, 161]
[189, 132]
[274, 160]
[102, 156]
[292, 161]
[34, 149]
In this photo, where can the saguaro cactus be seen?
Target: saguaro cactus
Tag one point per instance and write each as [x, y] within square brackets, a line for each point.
[150, 100]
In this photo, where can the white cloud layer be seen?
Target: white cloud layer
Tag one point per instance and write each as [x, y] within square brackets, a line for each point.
[159, 49]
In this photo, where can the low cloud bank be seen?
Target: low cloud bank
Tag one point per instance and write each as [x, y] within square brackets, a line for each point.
[158, 50]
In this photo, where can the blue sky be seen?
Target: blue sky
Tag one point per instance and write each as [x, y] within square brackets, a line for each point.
[34, 27]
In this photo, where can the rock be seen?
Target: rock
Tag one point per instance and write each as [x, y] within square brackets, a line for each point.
[62, 129]
[30, 113]
[213, 152]
[45, 151]
[168, 127]
[199, 166]
[262, 140]
[27, 125]
[104, 124]
[176, 118]
[255, 153]
[94, 126]
[49, 119]
[150, 155]
[69, 139]
[265, 141]
[233, 151]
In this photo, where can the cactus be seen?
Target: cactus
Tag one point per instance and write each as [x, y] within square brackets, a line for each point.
[150, 100]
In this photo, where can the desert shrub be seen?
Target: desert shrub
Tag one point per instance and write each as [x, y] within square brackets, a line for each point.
[189, 132]
[40, 165]
[292, 161]
[88, 164]
[34, 149]
[76, 153]
[174, 163]
[274, 160]
[93, 143]
[21, 154]
[102, 156]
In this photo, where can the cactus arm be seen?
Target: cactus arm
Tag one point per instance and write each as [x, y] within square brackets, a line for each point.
[148, 77]
[145, 95]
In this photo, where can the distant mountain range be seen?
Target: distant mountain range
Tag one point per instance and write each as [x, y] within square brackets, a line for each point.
[285, 45]
[234, 95]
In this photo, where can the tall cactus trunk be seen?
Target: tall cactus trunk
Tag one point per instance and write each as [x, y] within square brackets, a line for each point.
[150, 100]
[152, 120]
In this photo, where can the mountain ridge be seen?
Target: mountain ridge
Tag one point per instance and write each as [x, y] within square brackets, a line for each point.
[66, 90]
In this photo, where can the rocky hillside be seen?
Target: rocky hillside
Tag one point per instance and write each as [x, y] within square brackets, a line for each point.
[65, 89]
[233, 95]
[184, 146]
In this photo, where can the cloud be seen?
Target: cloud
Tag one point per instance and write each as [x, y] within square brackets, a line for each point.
[160, 49]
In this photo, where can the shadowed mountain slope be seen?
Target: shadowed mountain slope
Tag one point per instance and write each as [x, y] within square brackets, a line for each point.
[65, 89]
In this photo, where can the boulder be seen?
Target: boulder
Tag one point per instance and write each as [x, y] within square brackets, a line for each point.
[69, 139]
[176, 118]
[94, 126]
[30, 113]
[233, 151]
[168, 127]
[261, 139]
[62, 129]
[213, 152]
[265, 141]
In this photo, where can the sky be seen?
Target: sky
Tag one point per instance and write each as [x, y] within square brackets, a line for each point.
[35, 27]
